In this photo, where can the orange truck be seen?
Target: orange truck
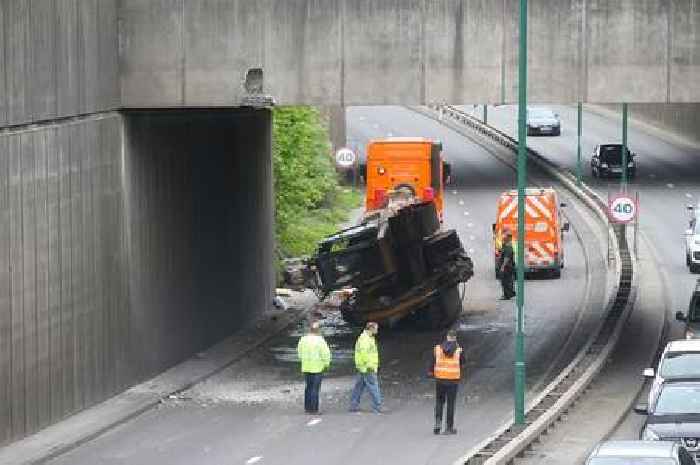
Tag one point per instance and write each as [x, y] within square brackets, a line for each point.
[414, 164]
[544, 228]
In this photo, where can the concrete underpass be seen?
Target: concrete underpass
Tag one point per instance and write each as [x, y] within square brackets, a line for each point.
[137, 208]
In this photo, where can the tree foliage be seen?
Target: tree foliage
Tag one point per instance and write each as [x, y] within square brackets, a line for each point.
[306, 186]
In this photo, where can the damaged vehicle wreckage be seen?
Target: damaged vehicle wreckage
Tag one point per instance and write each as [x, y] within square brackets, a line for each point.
[396, 264]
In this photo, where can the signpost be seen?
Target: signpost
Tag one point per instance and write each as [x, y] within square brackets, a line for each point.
[624, 209]
[345, 158]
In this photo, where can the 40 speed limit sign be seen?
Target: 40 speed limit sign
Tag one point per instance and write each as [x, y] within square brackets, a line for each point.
[622, 209]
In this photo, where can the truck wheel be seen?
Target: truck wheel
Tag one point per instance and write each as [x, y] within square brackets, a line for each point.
[694, 268]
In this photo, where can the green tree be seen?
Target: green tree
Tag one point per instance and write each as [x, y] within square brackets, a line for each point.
[309, 201]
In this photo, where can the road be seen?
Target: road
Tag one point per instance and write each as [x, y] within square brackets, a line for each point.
[668, 179]
[252, 411]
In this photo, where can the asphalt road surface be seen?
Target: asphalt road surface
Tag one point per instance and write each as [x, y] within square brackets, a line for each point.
[252, 412]
[668, 178]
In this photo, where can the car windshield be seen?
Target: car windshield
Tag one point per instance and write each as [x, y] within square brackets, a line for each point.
[611, 154]
[539, 113]
[676, 400]
[631, 461]
[681, 365]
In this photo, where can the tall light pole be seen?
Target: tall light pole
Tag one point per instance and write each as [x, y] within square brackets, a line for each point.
[522, 180]
[624, 147]
[578, 149]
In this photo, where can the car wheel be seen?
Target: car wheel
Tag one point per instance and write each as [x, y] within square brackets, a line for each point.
[694, 268]
[687, 260]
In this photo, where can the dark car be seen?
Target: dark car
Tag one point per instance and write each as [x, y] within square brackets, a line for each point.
[607, 161]
[543, 121]
[639, 453]
[674, 416]
[692, 318]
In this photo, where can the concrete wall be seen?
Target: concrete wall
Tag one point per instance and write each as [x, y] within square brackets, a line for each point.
[356, 52]
[682, 119]
[63, 297]
[57, 58]
[122, 253]
[199, 229]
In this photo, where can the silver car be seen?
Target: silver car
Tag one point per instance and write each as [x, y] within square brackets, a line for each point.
[543, 121]
[639, 453]
[680, 360]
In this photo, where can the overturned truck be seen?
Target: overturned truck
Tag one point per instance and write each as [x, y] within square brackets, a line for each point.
[396, 264]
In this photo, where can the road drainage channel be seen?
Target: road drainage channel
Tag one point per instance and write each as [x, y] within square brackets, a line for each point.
[512, 440]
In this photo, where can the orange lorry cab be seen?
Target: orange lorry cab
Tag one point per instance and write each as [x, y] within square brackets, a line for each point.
[414, 164]
[544, 227]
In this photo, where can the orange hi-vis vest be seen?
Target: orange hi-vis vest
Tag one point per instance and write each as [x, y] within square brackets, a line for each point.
[447, 367]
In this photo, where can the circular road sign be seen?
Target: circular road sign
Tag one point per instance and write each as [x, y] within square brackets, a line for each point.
[345, 157]
[623, 208]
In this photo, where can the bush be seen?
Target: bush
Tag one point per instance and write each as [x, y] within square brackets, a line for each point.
[309, 202]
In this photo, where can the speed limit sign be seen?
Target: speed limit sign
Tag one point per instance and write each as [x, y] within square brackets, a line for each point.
[622, 209]
[345, 157]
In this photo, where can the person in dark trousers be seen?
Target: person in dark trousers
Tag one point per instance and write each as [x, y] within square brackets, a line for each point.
[446, 367]
[315, 357]
[507, 266]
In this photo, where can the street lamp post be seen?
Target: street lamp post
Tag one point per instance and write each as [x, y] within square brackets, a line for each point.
[578, 149]
[624, 147]
[522, 180]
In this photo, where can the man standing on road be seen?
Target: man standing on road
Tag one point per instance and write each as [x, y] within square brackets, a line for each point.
[367, 364]
[507, 266]
[315, 358]
[446, 367]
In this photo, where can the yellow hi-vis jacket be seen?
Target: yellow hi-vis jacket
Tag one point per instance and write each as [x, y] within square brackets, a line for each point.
[366, 353]
[314, 354]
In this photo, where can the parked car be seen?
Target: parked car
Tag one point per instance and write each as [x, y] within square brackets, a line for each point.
[639, 453]
[674, 416]
[692, 318]
[679, 360]
[543, 121]
[606, 161]
[692, 241]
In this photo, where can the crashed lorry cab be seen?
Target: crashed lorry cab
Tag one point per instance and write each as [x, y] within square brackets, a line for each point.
[544, 228]
[414, 164]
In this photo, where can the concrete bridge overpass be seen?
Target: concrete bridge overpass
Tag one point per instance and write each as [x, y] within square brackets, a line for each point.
[136, 229]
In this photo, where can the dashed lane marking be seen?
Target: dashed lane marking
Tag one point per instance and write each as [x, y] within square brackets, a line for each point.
[313, 422]
[670, 185]
[454, 192]
[461, 202]
[689, 195]
[255, 459]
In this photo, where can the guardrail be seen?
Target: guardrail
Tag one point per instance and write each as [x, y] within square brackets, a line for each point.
[545, 409]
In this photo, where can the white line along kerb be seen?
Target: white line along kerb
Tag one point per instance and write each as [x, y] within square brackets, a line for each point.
[255, 459]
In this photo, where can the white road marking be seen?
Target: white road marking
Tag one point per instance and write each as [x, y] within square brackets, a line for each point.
[472, 238]
[471, 251]
[469, 225]
[388, 134]
[461, 202]
[670, 185]
[689, 195]
[255, 459]
[466, 213]
[454, 192]
[313, 422]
